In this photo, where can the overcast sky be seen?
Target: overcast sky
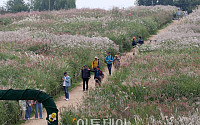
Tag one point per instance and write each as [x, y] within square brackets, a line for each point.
[103, 4]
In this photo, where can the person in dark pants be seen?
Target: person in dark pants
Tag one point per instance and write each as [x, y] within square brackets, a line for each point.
[38, 106]
[140, 41]
[85, 77]
[28, 109]
[134, 42]
[134, 45]
[98, 76]
[66, 85]
[95, 63]
[109, 60]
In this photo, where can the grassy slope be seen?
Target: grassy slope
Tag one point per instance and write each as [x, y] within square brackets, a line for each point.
[19, 59]
[157, 87]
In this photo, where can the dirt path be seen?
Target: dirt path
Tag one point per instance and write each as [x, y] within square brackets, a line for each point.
[151, 40]
[162, 31]
[76, 95]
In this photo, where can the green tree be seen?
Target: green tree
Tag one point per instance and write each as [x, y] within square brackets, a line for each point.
[43, 5]
[15, 6]
[183, 4]
[2, 10]
[54, 4]
[146, 2]
[165, 2]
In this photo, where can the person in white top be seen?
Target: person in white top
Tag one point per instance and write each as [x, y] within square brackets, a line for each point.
[66, 85]
[22, 104]
[185, 13]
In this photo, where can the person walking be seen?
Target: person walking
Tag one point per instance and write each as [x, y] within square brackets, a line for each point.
[22, 104]
[98, 76]
[185, 13]
[140, 40]
[116, 62]
[134, 45]
[28, 109]
[95, 63]
[38, 106]
[109, 60]
[85, 77]
[66, 85]
[178, 14]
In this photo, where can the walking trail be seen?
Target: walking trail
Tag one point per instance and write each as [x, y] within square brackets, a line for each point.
[76, 94]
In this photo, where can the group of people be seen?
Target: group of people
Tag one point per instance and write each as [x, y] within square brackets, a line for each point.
[25, 107]
[134, 43]
[98, 74]
[181, 13]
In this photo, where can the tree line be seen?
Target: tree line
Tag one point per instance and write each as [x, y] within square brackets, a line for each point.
[14, 6]
[183, 4]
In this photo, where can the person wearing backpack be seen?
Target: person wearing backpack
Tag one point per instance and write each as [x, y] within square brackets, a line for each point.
[140, 41]
[85, 77]
[98, 76]
[95, 63]
[109, 60]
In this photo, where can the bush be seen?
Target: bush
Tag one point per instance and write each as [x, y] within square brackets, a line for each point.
[5, 21]
[9, 112]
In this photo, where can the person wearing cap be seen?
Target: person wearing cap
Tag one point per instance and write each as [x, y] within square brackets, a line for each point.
[116, 62]
[95, 63]
[109, 60]
[134, 43]
[66, 85]
[85, 77]
[98, 75]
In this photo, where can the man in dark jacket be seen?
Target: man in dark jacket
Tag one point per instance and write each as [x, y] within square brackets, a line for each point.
[98, 75]
[140, 41]
[85, 77]
[134, 43]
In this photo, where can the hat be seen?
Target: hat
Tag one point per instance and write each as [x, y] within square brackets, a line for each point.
[85, 65]
[108, 52]
[116, 55]
[133, 37]
[65, 73]
[96, 57]
[98, 67]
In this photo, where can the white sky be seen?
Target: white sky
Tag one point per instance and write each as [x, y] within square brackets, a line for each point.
[103, 4]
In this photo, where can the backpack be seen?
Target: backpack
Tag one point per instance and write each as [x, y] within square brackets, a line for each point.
[98, 62]
[107, 57]
[101, 74]
[142, 41]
